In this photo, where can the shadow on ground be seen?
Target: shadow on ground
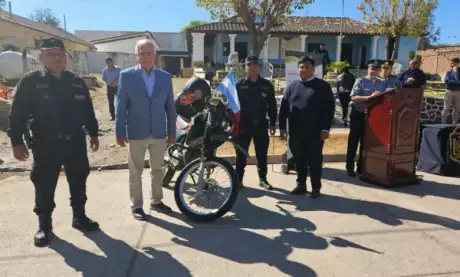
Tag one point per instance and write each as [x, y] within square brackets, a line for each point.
[234, 238]
[231, 237]
[425, 188]
[117, 253]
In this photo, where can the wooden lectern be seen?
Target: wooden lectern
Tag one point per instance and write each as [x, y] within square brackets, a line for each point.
[391, 137]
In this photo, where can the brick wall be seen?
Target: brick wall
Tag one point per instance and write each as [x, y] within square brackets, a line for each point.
[437, 60]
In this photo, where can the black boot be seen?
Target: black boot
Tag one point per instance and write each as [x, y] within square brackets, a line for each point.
[81, 221]
[44, 234]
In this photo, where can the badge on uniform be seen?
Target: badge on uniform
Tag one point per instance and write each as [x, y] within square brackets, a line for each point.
[80, 97]
[264, 94]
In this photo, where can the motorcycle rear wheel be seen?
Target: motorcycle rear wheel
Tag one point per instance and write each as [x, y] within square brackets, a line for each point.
[228, 204]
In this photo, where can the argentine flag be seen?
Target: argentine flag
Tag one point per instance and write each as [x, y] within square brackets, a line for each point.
[228, 88]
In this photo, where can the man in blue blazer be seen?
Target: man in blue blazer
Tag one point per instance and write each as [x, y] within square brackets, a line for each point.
[145, 115]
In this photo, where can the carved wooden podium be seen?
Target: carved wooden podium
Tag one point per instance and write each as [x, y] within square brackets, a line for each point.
[391, 137]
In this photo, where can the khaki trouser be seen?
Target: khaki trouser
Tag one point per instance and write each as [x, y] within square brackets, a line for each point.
[136, 149]
[451, 98]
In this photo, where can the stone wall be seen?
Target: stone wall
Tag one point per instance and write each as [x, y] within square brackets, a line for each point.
[432, 110]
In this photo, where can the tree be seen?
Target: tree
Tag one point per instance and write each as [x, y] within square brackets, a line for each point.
[192, 24]
[45, 16]
[270, 13]
[431, 35]
[396, 18]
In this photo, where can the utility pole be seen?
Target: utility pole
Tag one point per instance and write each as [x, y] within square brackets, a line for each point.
[339, 45]
[65, 24]
[9, 7]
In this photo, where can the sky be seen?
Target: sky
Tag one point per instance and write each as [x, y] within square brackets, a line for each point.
[172, 15]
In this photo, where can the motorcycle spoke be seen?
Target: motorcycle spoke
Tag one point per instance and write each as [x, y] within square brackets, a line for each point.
[211, 195]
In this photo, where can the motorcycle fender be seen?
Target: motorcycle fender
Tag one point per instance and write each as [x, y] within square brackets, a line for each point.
[224, 138]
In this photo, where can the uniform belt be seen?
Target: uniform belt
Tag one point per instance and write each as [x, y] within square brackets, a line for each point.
[64, 136]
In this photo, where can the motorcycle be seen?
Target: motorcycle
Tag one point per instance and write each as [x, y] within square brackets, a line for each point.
[199, 132]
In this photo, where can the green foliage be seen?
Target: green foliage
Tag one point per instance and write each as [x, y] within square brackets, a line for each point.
[192, 24]
[418, 58]
[269, 12]
[411, 55]
[45, 16]
[431, 35]
[338, 65]
[396, 18]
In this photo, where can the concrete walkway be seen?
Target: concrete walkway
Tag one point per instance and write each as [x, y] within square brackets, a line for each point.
[354, 230]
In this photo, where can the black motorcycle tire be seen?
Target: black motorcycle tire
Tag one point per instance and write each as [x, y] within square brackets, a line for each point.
[225, 208]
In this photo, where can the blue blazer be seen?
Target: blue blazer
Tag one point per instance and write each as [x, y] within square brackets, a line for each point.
[139, 116]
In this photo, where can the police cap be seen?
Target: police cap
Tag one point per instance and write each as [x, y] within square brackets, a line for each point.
[388, 63]
[307, 59]
[374, 64]
[252, 59]
[51, 43]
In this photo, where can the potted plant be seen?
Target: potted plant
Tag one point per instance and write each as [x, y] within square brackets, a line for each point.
[337, 66]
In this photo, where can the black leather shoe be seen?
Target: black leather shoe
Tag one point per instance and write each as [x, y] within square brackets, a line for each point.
[161, 208]
[351, 174]
[82, 222]
[265, 184]
[42, 238]
[44, 234]
[315, 194]
[139, 214]
[299, 190]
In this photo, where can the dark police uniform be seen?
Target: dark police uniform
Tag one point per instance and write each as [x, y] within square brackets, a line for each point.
[57, 110]
[362, 87]
[256, 100]
[309, 106]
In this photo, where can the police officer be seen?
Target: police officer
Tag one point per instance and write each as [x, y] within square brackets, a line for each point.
[257, 97]
[362, 90]
[391, 80]
[58, 107]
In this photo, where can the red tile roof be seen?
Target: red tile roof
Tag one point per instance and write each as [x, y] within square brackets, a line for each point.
[298, 25]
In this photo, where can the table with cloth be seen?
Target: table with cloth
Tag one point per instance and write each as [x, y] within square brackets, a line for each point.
[440, 149]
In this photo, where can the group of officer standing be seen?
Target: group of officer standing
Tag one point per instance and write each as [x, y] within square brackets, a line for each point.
[377, 80]
[308, 104]
[55, 105]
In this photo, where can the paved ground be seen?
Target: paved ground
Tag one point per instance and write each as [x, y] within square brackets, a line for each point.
[354, 230]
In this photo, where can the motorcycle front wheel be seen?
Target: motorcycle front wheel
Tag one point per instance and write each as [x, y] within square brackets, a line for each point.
[208, 187]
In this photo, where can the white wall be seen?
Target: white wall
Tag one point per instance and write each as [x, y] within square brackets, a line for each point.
[273, 48]
[122, 46]
[292, 44]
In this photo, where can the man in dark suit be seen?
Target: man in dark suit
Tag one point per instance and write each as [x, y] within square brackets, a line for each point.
[309, 105]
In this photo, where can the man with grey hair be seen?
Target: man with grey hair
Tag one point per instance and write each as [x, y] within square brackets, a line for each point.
[145, 109]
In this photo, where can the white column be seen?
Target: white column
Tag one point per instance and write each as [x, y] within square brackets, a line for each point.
[198, 47]
[302, 42]
[232, 42]
[265, 50]
[374, 47]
